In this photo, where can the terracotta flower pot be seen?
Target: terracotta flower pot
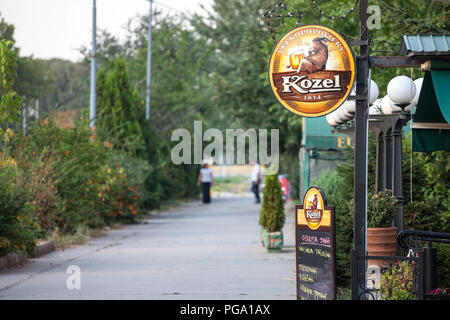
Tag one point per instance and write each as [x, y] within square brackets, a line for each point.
[381, 242]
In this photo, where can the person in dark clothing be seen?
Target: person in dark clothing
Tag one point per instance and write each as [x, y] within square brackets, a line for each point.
[206, 178]
[256, 179]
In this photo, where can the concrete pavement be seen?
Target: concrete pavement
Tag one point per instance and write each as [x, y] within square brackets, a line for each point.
[196, 251]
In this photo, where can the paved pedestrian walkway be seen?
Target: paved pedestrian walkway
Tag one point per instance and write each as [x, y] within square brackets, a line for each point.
[196, 251]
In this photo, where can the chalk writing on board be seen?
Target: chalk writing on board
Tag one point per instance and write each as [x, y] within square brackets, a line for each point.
[314, 265]
[315, 247]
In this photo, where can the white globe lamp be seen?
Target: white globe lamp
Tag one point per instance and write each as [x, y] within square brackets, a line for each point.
[330, 119]
[348, 110]
[409, 107]
[340, 113]
[387, 107]
[350, 106]
[401, 90]
[374, 109]
[336, 118]
[374, 92]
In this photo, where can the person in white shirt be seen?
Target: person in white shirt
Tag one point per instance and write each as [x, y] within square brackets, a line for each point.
[256, 180]
[206, 178]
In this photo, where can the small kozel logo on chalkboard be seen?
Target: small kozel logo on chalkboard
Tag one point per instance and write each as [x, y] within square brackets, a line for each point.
[313, 209]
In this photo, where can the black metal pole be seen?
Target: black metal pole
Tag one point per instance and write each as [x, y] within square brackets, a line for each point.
[360, 176]
[397, 182]
[380, 163]
[387, 177]
[430, 268]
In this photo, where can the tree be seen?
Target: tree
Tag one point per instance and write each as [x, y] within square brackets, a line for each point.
[181, 88]
[400, 17]
[241, 47]
[32, 81]
[181, 93]
[108, 49]
[7, 31]
[11, 102]
[69, 87]
[239, 71]
[119, 108]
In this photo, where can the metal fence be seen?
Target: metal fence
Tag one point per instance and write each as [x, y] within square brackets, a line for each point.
[408, 277]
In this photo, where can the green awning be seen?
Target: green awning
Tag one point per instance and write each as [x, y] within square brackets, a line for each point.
[430, 127]
[318, 134]
[441, 83]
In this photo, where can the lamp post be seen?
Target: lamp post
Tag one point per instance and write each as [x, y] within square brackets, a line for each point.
[25, 115]
[149, 63]
[398, 103]
[401, 91]
[93, 106]
[396, 107]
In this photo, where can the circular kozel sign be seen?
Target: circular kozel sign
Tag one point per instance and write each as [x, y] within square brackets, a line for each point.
[311, 70]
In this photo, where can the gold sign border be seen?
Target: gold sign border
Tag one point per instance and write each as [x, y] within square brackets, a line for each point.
[286, 103]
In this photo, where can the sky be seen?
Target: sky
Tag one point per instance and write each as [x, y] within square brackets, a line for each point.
[57, 28]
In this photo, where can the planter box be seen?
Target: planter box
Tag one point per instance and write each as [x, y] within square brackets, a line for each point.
[272, 241]
[381, 242]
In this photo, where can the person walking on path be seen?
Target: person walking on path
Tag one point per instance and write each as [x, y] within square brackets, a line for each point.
[256, 179]
[206, 178]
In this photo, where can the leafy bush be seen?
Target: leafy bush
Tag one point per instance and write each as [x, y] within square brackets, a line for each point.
[152, 188]
[42, 198]
[421, 215]
[443, 264]
[78, 159]
[64, 179]
[74, 179]
[272, 215]
[328, 182]
[119, 192]
[16, 230]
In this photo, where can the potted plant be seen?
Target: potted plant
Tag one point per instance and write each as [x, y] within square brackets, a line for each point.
[381, 236]
[438, 293]
[272, 215]
[397, 282]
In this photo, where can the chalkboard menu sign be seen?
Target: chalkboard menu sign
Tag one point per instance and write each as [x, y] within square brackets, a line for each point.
[315, 247]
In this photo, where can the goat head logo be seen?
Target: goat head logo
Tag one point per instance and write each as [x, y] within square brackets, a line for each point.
[313, 208]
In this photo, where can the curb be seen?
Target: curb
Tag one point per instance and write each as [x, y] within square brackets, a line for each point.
[42, 248]
[16, 259]
[12, 260]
